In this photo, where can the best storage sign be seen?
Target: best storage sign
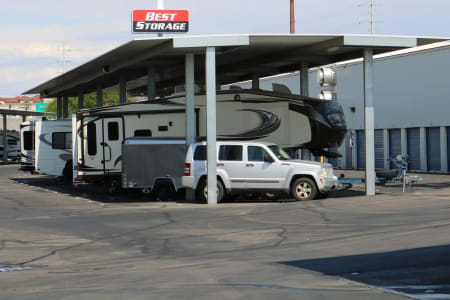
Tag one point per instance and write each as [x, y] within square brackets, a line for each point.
[155, 21]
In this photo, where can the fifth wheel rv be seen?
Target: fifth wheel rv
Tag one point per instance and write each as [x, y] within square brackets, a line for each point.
[287, 120]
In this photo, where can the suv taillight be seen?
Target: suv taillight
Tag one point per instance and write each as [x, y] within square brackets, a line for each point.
[187, 169]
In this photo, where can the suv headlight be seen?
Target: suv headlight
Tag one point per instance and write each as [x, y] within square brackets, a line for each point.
[326, 172]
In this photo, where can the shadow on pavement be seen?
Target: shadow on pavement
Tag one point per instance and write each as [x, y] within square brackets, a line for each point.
[410, 271]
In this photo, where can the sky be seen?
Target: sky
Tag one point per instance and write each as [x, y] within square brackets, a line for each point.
[33, 33]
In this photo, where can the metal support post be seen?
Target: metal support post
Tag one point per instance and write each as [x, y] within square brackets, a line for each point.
[369, 120]
[99, 96]
[255, 81]
[151, 83]
[65, 112]
[80, 100]
[122, 91]
[403, 141]
[444, 150]
[423, 149]
[59, 110]
[211, 123]
[304, 79]
[5, 140]
[386, 149]
[190, 108]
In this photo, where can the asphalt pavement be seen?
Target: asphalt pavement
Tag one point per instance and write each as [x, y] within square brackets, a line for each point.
[60, 242]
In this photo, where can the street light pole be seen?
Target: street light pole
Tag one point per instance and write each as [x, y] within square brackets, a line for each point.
[292, 17]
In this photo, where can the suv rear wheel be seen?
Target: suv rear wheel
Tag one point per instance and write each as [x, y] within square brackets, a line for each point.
[304, 189]
[202, 191]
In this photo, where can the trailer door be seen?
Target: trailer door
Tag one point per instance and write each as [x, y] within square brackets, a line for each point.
[113, 135]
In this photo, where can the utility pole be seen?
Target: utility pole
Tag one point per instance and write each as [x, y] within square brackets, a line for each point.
[372, 17]
[160, 5]
[63, 53]
[292, 17]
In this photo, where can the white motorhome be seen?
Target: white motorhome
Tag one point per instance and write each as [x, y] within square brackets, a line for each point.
[27, 131]
[287, 120]
[13, 144]
[53, 146]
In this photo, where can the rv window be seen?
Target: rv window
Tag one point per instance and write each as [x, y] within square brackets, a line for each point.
[62, 140]
[113, 131]
[200, 153]
[92, 138]
[28, 140]
[230, 152]
[143, 132]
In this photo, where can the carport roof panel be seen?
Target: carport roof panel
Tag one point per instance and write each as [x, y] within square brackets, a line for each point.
[237, 55]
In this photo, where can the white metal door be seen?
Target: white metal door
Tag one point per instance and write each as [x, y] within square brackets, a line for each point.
[113, 133]
[260, 173]
[231, 161]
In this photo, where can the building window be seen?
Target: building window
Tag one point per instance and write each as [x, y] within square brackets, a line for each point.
[92, 138]
[113, 131]
[62, 140]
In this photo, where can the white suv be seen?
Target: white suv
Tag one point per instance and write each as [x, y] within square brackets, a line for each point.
[257, 166]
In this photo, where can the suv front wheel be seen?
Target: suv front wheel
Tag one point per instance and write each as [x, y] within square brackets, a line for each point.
[304, 189]
[202, 191]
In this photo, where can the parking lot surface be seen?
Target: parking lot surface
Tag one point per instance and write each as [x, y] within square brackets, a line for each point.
[58, 242]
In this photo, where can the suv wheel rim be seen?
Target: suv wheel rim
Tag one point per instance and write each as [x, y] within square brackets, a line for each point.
[205, 191]
[303, 190]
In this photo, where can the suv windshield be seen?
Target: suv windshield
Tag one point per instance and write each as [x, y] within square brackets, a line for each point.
[279, 153]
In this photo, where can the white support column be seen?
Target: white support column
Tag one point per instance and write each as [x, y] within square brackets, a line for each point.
[255, 81]
[423, 149]
[386, 149]
[190, 108]
[151, 83]
[304, 80]
[5, 139]
[403, 141]
[444, 157]
[369, 120]
[122, 90]
[211, 123]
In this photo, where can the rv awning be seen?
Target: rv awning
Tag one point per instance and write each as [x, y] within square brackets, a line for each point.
[238, 58]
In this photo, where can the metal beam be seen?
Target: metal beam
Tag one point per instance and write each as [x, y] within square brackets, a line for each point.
[190, 108]
[304, 79]
[80, 100]
[59, 111]
[5, 140]
[211, 123]
[255, 81]
[369, 120]
[151, 83]
[65, 109]
[122, 90]
[99, 97]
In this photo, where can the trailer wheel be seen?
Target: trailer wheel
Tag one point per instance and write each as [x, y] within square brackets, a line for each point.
[202, 191]
[304, 189]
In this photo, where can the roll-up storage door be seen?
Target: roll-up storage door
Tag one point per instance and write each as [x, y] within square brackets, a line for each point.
[434, 148]
[413, 144]
[395, 143]
[448, 148]
[361, 149]
[379, 149]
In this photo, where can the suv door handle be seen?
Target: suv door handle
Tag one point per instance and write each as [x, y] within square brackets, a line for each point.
[249, 165]
[220, 165]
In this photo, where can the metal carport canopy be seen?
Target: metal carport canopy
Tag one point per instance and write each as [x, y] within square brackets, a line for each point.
[231, 58]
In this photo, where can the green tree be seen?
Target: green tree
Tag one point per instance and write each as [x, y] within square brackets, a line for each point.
[90, 100]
